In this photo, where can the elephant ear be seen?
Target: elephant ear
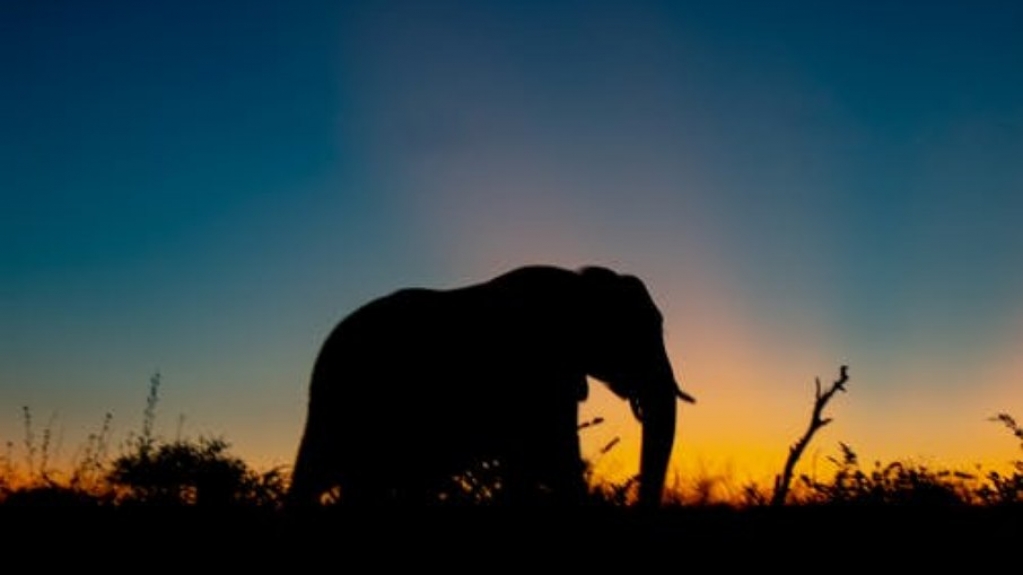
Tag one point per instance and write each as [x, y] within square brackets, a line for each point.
[600, 286]
[612, 298]
[599, 274]
[614, 309]
[597, 286]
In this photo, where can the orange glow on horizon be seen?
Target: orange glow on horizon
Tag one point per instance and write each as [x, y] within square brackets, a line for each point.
[742, 426]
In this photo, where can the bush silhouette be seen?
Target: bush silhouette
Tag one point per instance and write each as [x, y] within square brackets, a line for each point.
[203, 472]
[185, 472]
[895, 483]
[52, 495]
[1005, 489]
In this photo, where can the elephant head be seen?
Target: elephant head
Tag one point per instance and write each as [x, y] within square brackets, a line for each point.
[624, 348]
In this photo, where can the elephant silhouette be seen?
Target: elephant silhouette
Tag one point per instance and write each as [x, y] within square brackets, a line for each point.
[417, 387]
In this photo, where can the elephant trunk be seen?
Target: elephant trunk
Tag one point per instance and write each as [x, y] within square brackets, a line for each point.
[659, 415]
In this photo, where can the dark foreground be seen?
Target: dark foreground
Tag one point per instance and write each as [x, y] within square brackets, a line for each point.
[804, 539]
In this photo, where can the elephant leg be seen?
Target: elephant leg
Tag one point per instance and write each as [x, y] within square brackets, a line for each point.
[560, 464]
[546, 464]
[316, 470]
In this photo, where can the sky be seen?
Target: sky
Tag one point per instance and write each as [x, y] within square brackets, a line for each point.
[203, 189]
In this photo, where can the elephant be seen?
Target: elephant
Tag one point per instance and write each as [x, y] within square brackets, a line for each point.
[420, 386]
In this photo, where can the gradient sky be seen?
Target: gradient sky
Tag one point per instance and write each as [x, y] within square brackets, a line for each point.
[206, 188]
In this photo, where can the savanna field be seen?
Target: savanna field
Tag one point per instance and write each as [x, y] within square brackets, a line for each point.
[195, 495]
[433, 213]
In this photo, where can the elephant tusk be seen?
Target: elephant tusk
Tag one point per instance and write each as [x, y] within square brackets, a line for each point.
[684, 396]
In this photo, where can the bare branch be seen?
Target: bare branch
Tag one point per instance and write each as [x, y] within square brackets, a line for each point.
[781, 483]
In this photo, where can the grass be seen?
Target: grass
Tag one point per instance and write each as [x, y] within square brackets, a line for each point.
[151, 472]
[190, 502]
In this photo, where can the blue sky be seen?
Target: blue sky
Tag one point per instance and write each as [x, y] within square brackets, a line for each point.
[205, 188]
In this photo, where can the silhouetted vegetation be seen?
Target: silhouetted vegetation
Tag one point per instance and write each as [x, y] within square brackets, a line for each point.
[202, 472]
[183, 472]
[821, 398]
[199, 472]
[895, 483]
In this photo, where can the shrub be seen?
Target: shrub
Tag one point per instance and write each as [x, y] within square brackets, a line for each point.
[1005, 489]
[198, 472]
[895, 483]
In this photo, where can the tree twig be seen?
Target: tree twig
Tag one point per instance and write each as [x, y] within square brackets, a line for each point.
[781, 483]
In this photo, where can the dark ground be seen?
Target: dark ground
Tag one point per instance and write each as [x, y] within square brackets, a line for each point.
[796, 539]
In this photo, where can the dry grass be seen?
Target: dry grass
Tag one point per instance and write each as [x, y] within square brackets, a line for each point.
[202, 472]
